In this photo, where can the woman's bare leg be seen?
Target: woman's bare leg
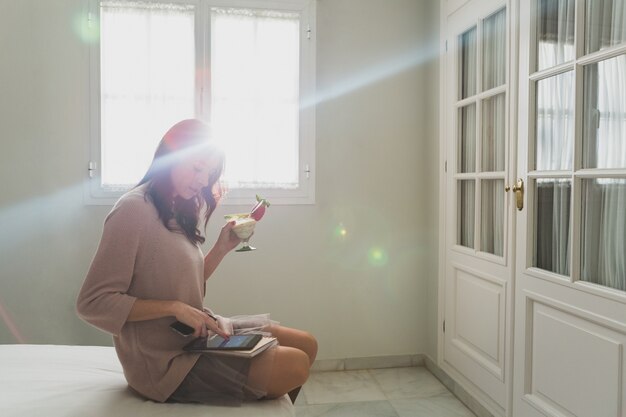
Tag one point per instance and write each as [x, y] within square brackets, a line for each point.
[296, 338]
[284, 369]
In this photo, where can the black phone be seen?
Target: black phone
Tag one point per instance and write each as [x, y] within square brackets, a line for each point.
[182, 328]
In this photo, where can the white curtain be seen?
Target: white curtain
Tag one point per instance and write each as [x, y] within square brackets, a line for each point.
[466, 216]
[255, 95]
[493, 134]
[492, 216]
[604, 199]
[555, 32]
[554, 151]
[605, 24]
[468, 63]
[554, 135]
[147, 64]
[467, 138]
[603, 250]
[494, 50]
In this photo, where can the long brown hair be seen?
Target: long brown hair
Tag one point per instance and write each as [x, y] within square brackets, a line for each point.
[183, 139]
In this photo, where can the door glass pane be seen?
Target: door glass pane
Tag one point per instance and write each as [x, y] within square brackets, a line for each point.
[605, 24]
[555, 32]
[603, 251]
[555, 122]
[552, 231]
[466, 213]
[467, 42]
[493, 137]
[467, 139]
[492, 216]
[494, 50]
[604, 123]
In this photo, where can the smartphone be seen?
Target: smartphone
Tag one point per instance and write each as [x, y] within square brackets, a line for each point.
[182, 328]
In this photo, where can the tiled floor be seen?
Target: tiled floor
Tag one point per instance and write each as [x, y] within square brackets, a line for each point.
[392, 392]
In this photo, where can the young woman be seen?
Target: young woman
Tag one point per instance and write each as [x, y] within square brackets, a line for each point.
[149, 271]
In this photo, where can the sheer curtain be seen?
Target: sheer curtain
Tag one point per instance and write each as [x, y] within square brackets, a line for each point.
[555, 32]
[147, 70]
[606, 24]
[554, 136]
[467, 138]
[493, 138]
[554, 152]
[255, 95]
[604, 146]
[603, 227]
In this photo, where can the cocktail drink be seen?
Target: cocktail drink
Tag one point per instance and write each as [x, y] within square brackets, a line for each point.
[243, 228]
[245, 222]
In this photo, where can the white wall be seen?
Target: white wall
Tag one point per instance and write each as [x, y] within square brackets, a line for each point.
[376, 173]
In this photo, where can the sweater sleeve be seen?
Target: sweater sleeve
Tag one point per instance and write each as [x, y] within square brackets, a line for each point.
[103, 300]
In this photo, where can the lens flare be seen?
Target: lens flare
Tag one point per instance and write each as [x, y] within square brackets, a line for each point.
[377, 256]
[86, 27]
[340, 231]
[11, 325]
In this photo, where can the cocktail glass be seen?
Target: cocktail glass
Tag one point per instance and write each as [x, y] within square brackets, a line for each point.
[243, 228]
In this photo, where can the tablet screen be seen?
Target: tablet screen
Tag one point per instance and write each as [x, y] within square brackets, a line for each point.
[234, 342]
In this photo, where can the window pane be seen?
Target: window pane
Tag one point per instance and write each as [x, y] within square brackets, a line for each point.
[604, 123]
[493, 142]
[552, 231]
[492, 216]
[555, 32]
[605, 24]
[555, 123]
[604, 232]
[147, 83]
[494, 50]
[467, 139]
[466, 213]
[255, 95]
[467, 42]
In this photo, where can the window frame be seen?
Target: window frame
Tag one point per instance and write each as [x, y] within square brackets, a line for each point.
[95, 194]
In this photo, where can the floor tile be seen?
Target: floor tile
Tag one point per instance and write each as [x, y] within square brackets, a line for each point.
[446, 405]
[337, 387]
[360, 409]
[411, 382]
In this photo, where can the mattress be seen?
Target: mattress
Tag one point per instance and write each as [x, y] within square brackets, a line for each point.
[87, 381]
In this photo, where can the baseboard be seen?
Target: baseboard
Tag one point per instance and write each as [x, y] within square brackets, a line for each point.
[372, 362]
[456, 389]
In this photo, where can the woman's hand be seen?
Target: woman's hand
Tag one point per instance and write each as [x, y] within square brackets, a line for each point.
[227, 240]
[199, 320]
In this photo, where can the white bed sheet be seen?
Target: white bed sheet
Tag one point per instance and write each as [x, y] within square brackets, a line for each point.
[87, 381]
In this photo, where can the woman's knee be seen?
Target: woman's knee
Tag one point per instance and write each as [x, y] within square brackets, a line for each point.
[298, 366]
[290, 370]
[309, 344]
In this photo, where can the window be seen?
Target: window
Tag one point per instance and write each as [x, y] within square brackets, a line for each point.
[246, 68]
[578, 164]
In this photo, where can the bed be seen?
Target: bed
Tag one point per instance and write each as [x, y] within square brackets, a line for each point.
[87, 381]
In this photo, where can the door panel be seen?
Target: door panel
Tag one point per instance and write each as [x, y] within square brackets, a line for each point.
[477, 310]
[570, 279]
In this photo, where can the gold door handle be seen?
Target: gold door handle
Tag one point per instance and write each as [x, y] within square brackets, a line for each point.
[518, 189]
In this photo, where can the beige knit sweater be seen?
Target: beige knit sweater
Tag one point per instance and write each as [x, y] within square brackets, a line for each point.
[138, 257]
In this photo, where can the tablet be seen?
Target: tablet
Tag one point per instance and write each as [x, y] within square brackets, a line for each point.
[216, 342]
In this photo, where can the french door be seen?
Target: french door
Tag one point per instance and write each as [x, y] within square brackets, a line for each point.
[570, 302]
[478, 252]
